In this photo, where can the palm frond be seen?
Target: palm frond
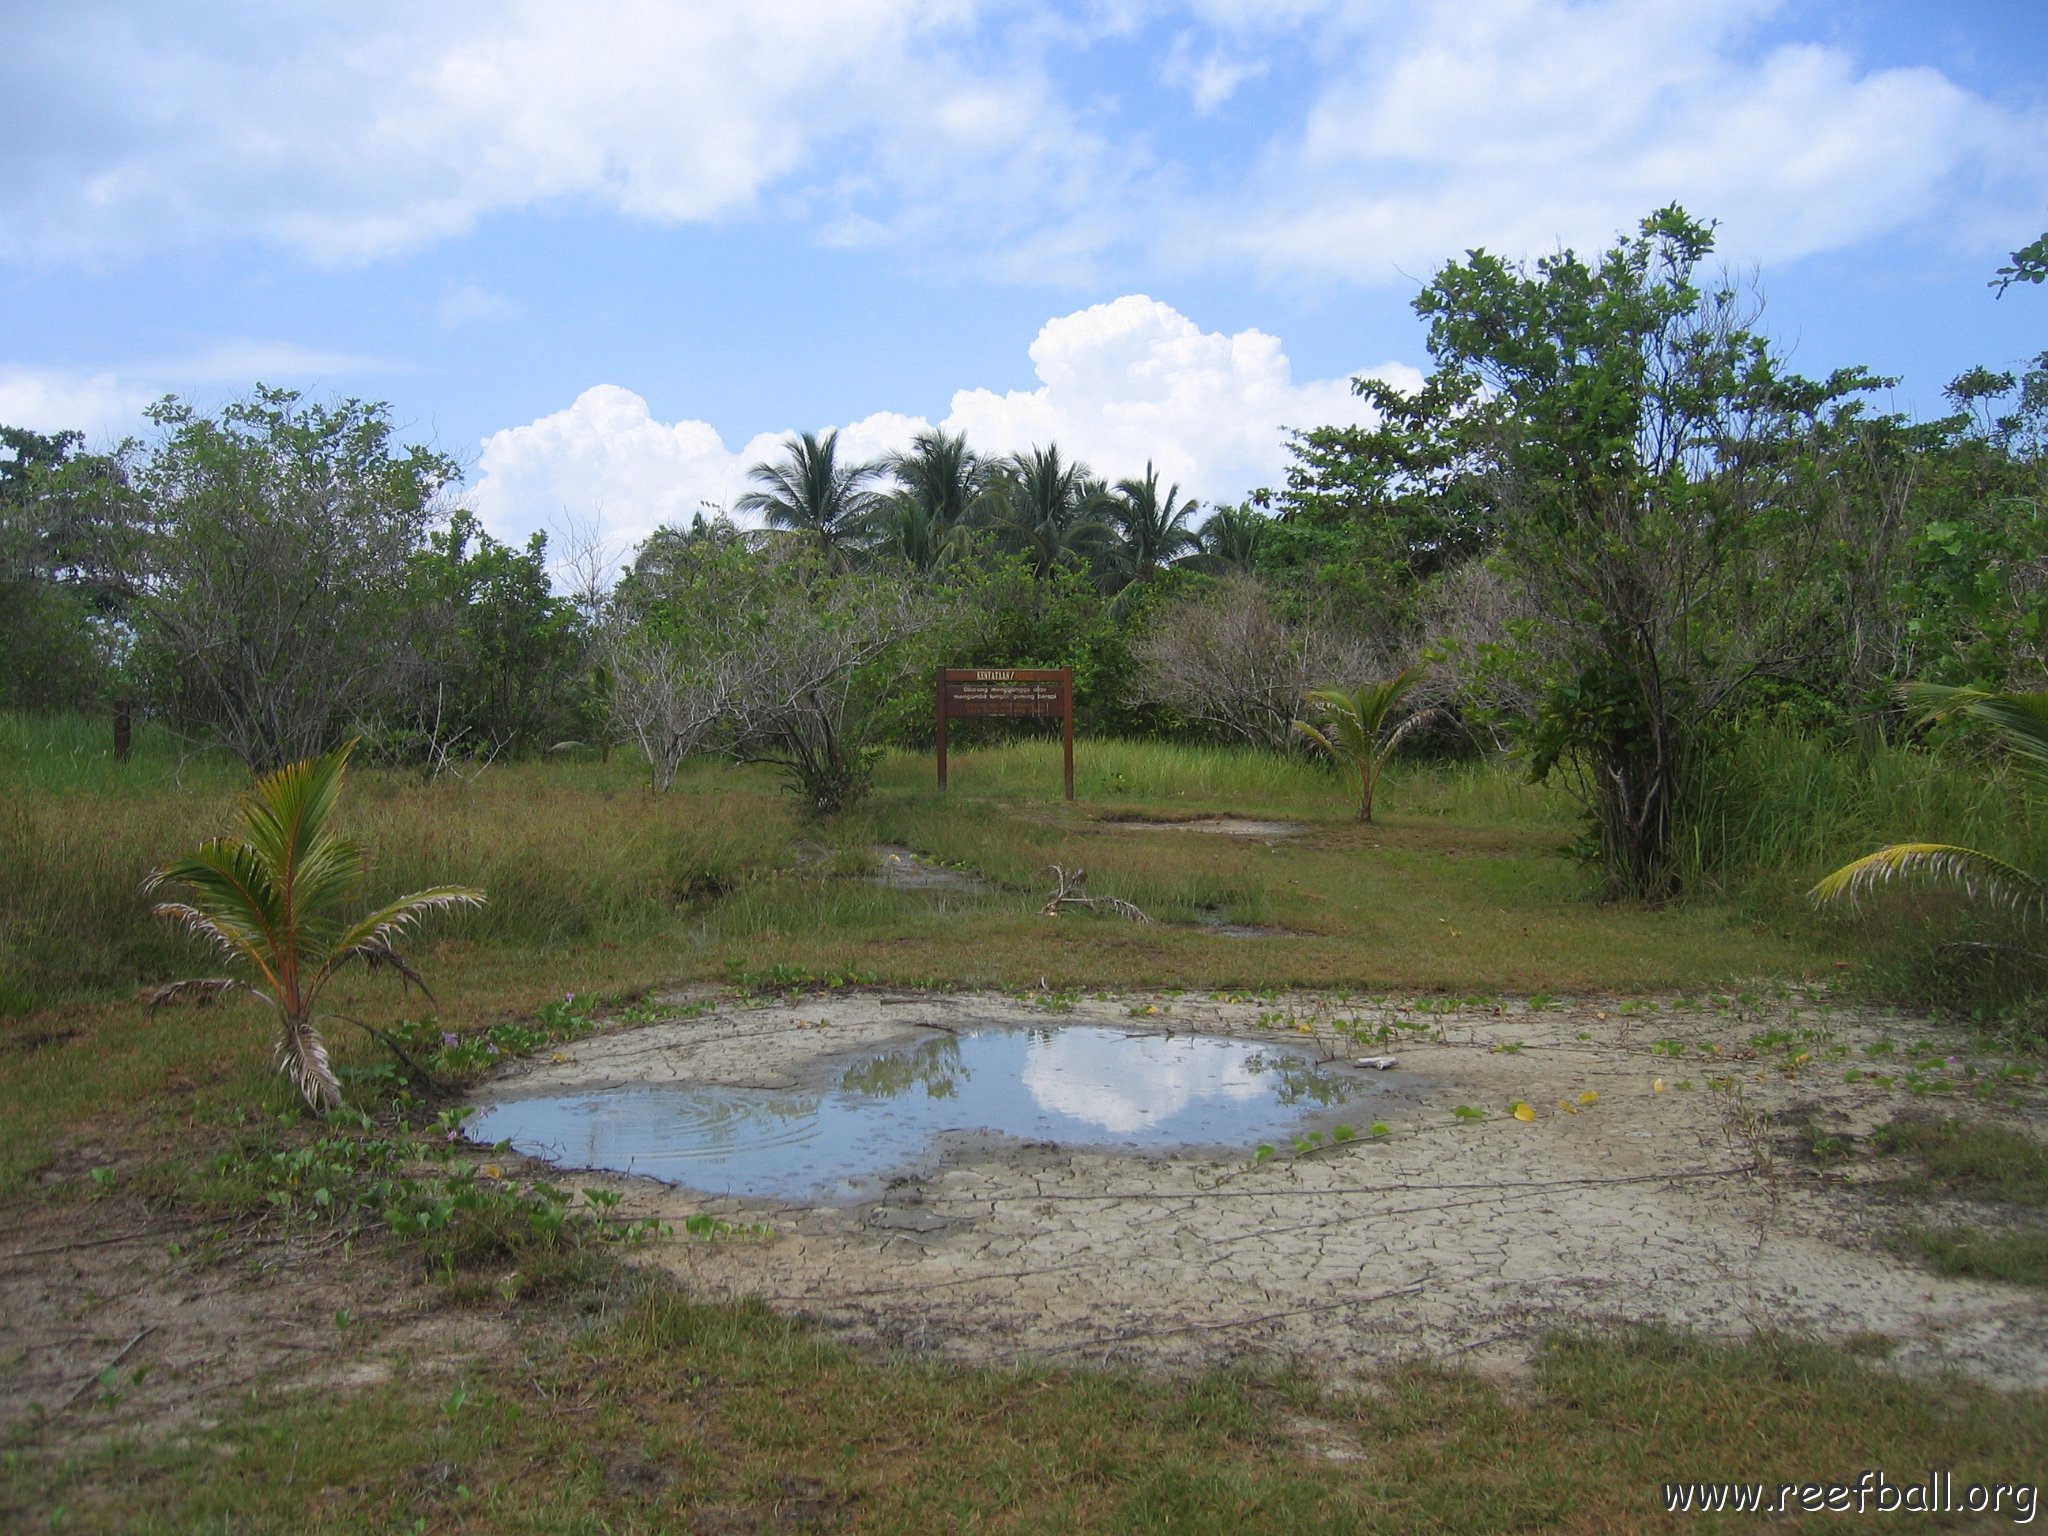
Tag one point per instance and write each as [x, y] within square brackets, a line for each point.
[371, 938]
[301, 1055]
[200, 990]
[2019, 719]
[1981, 875]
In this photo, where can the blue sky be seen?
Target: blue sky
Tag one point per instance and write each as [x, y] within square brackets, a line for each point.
[607, 256]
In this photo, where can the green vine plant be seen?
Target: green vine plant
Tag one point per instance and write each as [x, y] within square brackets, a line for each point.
[270, 901]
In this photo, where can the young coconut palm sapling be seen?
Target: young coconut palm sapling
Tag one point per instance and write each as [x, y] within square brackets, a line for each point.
[271, 899]
[1362, 731]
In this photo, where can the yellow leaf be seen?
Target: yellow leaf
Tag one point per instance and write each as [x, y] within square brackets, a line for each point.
[1523, 1111]
[493, 1171]
[1657, 1086]
[1568, 1108]
[1590, 1096]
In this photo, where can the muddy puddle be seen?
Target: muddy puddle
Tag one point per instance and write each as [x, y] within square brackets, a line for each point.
[905, 869]
[1524, 1169]
[881, 1115]
[1215, 826]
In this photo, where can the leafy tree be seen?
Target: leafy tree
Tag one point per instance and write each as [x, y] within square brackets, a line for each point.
[70, 530]
[813, 493]
[1151, 531]
[275, 598]
[2020, 722]
[495, 654]
[270, 901]
[1369, 512]
[1361, 732]
[1647, 465]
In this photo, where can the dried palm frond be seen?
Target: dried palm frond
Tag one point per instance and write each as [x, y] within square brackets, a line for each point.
[200, 991]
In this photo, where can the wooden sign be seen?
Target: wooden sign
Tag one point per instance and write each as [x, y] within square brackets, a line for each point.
[1012, 693]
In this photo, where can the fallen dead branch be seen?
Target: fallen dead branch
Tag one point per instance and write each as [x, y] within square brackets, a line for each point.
[1070, 889]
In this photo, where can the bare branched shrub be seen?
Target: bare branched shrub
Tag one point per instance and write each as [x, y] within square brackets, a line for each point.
[668, 696]
[804, 690]
[1472, 616]
[767, 657]
[1227, 657]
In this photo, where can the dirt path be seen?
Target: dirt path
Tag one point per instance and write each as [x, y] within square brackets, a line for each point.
[1452, 1237]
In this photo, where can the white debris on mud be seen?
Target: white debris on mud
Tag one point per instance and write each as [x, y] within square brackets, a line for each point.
[1452, 1237]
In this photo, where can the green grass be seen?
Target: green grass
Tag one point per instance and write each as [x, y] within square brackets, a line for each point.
[2017, 1258]
[1973, 1160]
[668, 1414]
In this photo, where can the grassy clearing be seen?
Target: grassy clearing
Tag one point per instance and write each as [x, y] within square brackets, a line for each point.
[625, 1405]
[670, 1414]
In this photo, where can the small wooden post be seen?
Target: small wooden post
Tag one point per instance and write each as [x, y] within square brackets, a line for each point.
[1067, 722]
[942, 727]
[124, 729]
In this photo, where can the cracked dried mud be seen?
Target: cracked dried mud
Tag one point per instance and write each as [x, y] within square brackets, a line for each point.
[1450, 1237]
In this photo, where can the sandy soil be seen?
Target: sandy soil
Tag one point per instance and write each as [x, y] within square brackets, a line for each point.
[122, 1321]
[1452, 1238]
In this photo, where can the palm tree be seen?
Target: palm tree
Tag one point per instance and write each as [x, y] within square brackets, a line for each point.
[2020, 720]
[268, 900]
[811, 492]
[943, 486]
[906, 529]
[1151, 532]
[1231, 539]
[942, 475]
[1052, 510]
[1362, 735]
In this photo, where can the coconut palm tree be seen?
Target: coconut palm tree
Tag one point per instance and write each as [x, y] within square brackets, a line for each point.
[1052, 510]
[942, 475]
[270, 899]
[813, 493]
[1363, 733]
[1231, 539]
[1151, 531]
[942, 488]
[2020, 721]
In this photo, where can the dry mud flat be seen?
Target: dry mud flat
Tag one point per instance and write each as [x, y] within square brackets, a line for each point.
[1451, 1237]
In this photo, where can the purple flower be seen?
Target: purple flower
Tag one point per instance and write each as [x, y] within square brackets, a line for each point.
[568, 997]
[492, 1048]
[448, 1039]
[455, 1135]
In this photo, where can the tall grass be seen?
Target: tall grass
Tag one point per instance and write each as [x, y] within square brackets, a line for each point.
[1775, 810]
[565, 852]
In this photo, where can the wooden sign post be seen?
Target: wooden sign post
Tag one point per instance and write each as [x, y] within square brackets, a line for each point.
[1027, 693]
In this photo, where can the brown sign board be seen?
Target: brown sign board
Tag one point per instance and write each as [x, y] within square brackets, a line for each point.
[1013, 693]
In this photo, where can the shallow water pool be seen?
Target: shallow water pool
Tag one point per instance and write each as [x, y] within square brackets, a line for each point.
[883, 1113]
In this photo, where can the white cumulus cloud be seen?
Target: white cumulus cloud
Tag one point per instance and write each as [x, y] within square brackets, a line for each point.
[1521, 125]
[1136, 380]
[1120, 384]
